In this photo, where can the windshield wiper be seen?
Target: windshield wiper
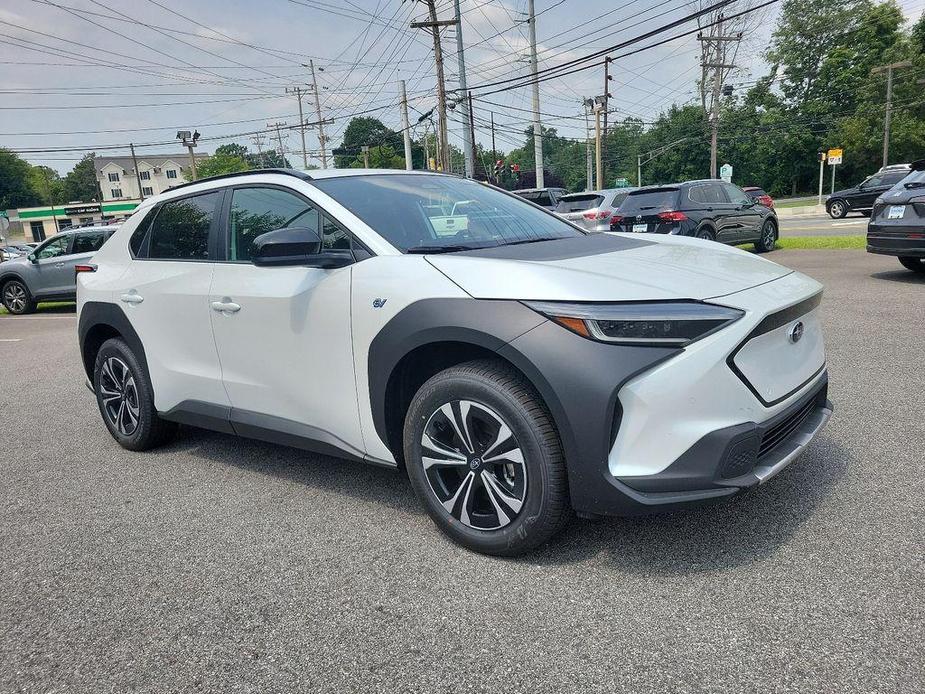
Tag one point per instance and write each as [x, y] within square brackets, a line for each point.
[442, 249]
[914, 184]
[522, 241]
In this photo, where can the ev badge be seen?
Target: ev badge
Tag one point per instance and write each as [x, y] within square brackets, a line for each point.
[379, 303]
[796, 332]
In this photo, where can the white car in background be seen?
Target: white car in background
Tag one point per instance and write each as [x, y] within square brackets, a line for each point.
[516, 370]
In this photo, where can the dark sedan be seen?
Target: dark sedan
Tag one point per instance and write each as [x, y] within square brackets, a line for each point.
[860, 198]
[708, 209]
[897, 222]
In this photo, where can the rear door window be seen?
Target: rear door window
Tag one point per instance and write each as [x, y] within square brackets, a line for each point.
[650, 201]
[578, 203]
[180, 230]
[88, 242]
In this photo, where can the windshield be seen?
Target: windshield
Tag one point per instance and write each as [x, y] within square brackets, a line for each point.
[577, 203]
[649, 200]
[434, 213]
[915, 179]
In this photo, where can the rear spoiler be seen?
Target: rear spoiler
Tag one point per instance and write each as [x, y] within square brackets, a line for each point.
[918, 165]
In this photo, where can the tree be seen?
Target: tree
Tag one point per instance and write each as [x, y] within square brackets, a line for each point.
[380, 157]
[47, 184]
[15, 188]
[80, 182]
[222, 163]
[365, 131]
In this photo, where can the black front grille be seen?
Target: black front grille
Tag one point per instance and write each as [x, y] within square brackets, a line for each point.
[780, 432]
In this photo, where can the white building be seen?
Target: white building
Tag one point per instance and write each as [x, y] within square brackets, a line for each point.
[119, 181]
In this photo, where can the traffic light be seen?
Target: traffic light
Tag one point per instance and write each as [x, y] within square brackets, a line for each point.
[515, 171]
[499, 167]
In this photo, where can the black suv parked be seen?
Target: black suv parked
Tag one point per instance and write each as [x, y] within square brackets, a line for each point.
[708, 209]
[860, 198]
[897, 223]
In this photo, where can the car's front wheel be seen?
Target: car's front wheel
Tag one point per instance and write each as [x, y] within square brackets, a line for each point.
[914, 264]
[126, 400]
[17, 298]
[837, 209]
[768, 237]
[485, 458]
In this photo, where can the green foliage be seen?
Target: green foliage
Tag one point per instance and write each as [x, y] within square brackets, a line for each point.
[80, 183]
[222, 163]
[47, 184]
[380, 157]
[15, 188]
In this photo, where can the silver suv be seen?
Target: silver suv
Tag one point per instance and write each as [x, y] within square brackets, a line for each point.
[48, 273]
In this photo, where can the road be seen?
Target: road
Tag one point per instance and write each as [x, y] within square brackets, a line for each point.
[822, 225]
[224, 565]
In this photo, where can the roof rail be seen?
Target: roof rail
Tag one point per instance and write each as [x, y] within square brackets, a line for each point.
[286, 172]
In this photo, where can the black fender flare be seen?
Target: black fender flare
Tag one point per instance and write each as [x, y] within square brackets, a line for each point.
[94, 314]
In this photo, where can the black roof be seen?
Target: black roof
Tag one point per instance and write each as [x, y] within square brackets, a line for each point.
[286, 172]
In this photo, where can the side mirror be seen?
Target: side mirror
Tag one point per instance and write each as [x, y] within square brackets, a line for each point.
[32, 258]
[296, 246]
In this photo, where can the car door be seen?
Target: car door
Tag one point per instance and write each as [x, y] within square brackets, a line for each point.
[165, 296]
[84, 245]
[711, 199]
[52, 274]
[746, 214]
[284, 333]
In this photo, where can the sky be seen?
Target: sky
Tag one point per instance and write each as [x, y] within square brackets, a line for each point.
[84, 75]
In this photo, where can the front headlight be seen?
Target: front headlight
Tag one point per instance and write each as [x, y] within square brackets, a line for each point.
[655, 323]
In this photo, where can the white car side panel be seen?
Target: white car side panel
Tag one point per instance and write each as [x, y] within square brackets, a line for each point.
[400, 280]
[287, 352]
[173, 323]
[669, 408]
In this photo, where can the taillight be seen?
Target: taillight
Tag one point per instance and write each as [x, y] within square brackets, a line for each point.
[591, 215]
[767, 201]
[672, 216]
[84, 268]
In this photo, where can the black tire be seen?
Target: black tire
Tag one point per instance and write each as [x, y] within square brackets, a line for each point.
[538, 484]
[17, 298]
[768, 237]
[837, 209]
[914, 264]
[123, 394]
[705, 233]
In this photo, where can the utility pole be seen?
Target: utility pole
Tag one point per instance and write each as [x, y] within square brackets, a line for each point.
[298, 95]
[471, 137]
[468, 131]
[821, 174]
[494, 157]
[405, 126]
[321, 138]
[365, 149]
[638, 170]
[279, 138]
[443, 150]
[258, 143]
[189, 141]
[537, 126]
[607, 97]
[598, 107]
[889, 102]
[714, 57]
[588, 165]
[141, 193]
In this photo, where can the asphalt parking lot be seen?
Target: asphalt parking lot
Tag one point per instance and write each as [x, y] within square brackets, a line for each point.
[822, 225]
[225, 565]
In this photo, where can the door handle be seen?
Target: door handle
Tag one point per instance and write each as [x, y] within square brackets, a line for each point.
[59, 264]
[131, 298]
[225, 306]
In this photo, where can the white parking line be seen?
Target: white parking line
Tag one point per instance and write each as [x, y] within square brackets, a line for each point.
[10, 339]
[849, 224]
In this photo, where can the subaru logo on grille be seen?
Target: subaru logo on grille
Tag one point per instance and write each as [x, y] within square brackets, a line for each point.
[638, 217]
[796, 332]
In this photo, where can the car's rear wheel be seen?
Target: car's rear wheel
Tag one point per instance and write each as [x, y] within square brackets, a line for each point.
[485, 459]
[17, 298]
[126, 400]
[914, 264]
[706, 233]
[768, 237]
[837, 209]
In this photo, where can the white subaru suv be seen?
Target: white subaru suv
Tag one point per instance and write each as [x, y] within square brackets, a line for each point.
[514, 365]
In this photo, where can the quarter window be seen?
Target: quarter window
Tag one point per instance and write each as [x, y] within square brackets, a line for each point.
[54, 248]
[88, 243]
[334, 237]
[181, 228]
[255, 211]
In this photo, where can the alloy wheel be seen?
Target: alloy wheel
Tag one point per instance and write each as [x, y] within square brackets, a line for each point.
[14, 297]
[474, 465]
[119, 395]
[836, 209]
[768, 235]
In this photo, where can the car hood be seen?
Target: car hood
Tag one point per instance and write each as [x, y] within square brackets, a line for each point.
[607, 267]
[846, 191]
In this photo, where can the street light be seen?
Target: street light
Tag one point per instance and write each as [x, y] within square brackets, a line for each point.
[189, 141]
